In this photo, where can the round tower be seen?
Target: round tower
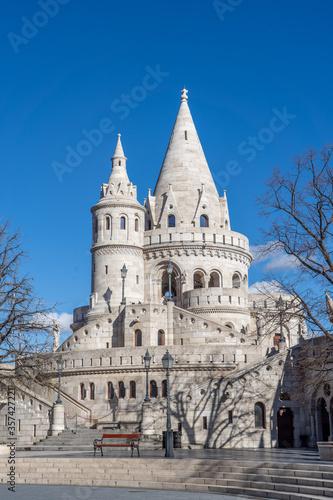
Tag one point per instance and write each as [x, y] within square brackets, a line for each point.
[117, 240]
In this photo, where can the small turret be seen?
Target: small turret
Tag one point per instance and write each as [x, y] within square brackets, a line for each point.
[225, 211]
[117, 239]
[118, 183]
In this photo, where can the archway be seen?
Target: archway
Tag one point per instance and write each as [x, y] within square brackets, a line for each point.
[285, 424]
[198, 279]
[165, 284]
[214, 280]
[160, 278]
[323, 420]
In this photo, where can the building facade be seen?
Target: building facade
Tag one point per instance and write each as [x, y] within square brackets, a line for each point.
[171, 274]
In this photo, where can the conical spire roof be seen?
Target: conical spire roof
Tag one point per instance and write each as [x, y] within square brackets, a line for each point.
[119, 152]
[186, 168]
[118, 174]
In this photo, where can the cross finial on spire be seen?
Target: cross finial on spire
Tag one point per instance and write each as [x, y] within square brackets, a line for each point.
[184, 95]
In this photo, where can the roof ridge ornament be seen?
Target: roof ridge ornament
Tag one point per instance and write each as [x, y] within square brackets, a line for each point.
[184, 95]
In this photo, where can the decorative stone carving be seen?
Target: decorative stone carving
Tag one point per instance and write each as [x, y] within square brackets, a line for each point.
[122, 250]
[56, 335]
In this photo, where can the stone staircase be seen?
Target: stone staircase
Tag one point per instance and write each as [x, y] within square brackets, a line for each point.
[82, 440]
[269, 480]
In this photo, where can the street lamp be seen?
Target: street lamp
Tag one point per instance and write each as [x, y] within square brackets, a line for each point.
[123, 273]
[147, 359]
[167, 362]
[169, 269]
[60, 366]
[281, 307]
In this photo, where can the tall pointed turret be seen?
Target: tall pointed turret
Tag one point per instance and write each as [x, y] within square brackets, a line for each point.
[118, 177]
[186, 169]
[117, 239]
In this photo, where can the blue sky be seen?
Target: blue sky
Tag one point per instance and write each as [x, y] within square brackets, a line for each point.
[259, 77]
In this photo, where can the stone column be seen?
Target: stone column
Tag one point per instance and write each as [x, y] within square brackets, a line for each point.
[330, 437]
[313, 439]
[147, 420]
[170, 305]
[58, 420]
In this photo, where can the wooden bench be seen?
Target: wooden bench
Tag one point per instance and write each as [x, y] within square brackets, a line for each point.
[132, 441]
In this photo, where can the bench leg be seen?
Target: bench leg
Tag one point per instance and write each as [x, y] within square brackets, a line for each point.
[132, 448]
[138, 450]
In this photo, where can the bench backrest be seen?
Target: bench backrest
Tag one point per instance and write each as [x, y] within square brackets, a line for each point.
[124, 436]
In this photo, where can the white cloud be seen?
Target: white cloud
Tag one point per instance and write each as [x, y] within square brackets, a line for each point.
[265, 287]
[275, 260]
[64, 320]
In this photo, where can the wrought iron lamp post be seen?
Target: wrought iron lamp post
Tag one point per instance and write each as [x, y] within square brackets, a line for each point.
[167, 362]
[123, 273]
[281, 307]
[147, 359]
[60, 366]
[169, 270]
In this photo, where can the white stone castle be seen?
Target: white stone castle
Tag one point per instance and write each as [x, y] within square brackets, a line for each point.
[171, 274]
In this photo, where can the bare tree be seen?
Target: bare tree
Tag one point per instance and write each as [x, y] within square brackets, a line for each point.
[25, 324]
[298, 205]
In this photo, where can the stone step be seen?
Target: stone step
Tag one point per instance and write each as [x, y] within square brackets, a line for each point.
[259, 490]
[199, 466]
[289, 481]
[291, 472]
[80, 440]
[305, 486]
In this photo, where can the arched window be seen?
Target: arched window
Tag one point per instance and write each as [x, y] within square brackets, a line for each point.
[198, 280]
[132, 389]
[122, 391]
[327, 390]
[160, 337]
[82, 391]
[153, 389]
[138, 338]
[236, 281]
[259, 416]
[122, 223]
[92, 390]
[107, 223]
[164, 388]
[214, 280]
[95, 229]
[110, 390]
[204, 221]
[136, 224]
[171, 221]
